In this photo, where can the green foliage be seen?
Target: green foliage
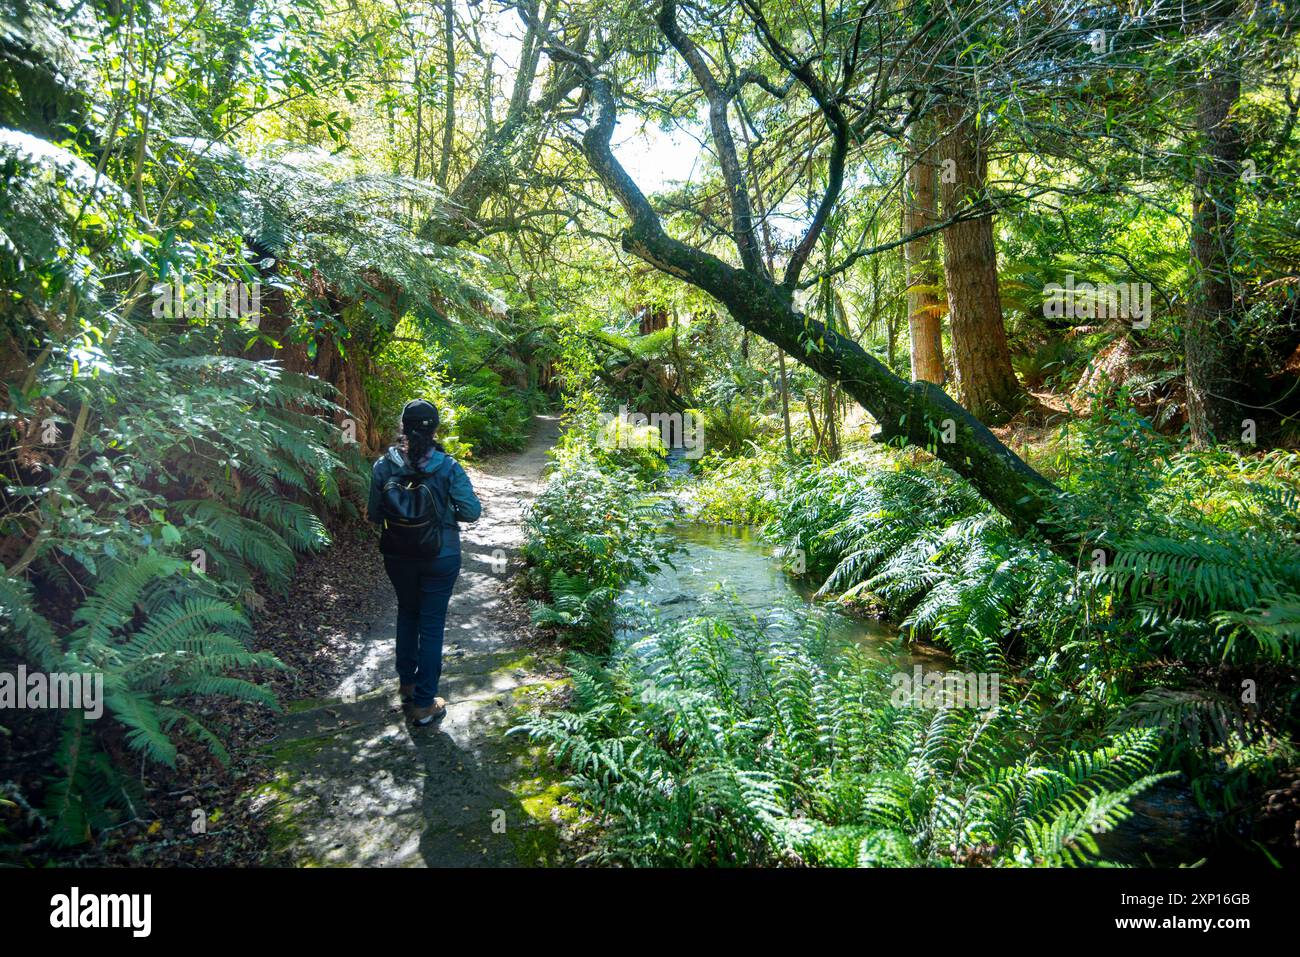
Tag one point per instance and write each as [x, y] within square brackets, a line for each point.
[1197, 551]
[157, 478]
[491, 416]
[1049, 362]
[156, 636]
[180, 448]
[179, 457]
[738, 491]
[729, 429]
[581, 610]
[79, 803]
[164, 423]
[272, 143]
[708, 745]
[590, 533]
[1192, 585]
[317, 212]
[1201, 547]
[621, 446]
[923, 543]
[479, 412]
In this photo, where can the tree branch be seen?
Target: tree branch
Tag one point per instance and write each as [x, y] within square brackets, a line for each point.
[742, 216]
[914, 413]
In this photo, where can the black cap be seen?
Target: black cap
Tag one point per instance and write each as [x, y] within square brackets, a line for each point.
[419, 415]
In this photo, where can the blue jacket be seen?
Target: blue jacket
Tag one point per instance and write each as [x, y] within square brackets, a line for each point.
[463, 500]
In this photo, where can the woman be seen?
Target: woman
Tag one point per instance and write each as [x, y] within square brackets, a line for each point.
[417, 496]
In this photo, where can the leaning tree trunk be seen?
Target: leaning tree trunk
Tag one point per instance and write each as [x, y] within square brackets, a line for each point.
[920, 256]
[985, 380]
[497, 167]
[919, 413]
[1210, 372]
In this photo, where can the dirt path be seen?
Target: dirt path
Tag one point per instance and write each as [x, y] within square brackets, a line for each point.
[356, 784]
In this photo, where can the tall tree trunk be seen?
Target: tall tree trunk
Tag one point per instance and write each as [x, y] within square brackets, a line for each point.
[920, 256]
[418, 90]
[233, 45]
[830, 406]
[1210, 369]
[449, 115]
[986, 382]
[879, 314]
[682, 361]
[769, 260]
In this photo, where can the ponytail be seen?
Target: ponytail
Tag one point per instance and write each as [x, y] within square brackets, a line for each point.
[418, 445]
[419, 423]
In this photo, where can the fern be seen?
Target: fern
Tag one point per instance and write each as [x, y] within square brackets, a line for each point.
[25, 628]
[576, 605]
[152, 634]
[705, 744]
[924, 543]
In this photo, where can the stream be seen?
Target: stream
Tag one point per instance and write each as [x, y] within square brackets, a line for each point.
[732, 572]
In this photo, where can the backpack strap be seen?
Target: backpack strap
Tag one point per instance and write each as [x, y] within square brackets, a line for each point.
[445, 467]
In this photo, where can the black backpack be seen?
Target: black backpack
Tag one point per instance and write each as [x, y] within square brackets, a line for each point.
[416, 507]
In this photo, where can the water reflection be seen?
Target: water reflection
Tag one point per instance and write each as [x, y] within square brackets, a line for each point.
[732, 573]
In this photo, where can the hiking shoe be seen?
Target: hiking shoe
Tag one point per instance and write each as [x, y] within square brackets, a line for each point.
[432, 713]
[407, 692]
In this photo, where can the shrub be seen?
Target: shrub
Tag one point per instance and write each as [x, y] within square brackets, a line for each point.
[738, 491]
[591, 532]
[173, 501]
[619, 446]
[479, 415]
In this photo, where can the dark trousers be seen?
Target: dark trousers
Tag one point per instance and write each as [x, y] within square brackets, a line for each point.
[423, 591]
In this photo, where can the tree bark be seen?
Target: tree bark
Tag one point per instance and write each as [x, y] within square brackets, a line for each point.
[417, 89]
[495, 168]
[742, 216]
[769, 263]
[449, 113]
[920, 256]
[1210, 372]
[985, 380]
